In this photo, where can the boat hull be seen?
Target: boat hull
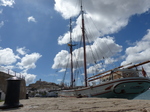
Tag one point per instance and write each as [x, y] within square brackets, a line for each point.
[127, 88]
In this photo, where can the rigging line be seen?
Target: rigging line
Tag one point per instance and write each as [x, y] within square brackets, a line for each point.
[93, 56]
[90, 46]
[77, 64]
[77, 75]
[65, 72]
[94, 24]
[66, 69]
[77, 4]
[78, 54]
[110, 52]
[99, 31]
[97, 54]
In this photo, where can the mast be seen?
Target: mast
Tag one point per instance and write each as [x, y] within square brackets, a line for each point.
[72, 81]
[84, 46]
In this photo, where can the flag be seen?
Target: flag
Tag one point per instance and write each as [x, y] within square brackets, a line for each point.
[143, 72]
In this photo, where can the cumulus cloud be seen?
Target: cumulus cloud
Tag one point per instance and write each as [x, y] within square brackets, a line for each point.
[28, 77]
[22, 50]
[141, 50]
[91, 32]
[97, 68]
[7, 56]
[61, 6]
[28, 61]
[100, 46]
[7, 3]
[108, 16]
[9, 61]
[102, 17]
[62, 70]
[31, 19]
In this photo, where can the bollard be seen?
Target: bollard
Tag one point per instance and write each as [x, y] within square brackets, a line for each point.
[27, 96]
[12, 94]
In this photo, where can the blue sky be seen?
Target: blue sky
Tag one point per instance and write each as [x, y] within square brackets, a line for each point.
[34, 34]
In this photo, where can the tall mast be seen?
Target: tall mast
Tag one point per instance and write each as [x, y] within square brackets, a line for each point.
[84, 46]
[71, 53]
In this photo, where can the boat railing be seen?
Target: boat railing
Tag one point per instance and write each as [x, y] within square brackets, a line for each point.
[124, 73]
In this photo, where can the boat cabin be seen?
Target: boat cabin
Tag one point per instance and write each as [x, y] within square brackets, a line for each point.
[120, 73]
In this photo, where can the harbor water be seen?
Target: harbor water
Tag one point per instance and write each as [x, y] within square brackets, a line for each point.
[144, 96]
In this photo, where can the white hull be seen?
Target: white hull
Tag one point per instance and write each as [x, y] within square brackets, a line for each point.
[121, 88]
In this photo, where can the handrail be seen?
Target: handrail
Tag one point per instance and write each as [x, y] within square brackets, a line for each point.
[145, 62]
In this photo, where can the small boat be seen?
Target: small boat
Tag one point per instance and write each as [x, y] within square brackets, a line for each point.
[121, 82]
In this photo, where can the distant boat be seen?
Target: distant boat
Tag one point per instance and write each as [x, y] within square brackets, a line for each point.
[119, 82]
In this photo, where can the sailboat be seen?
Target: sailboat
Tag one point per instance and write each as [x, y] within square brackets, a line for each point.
[121, 82]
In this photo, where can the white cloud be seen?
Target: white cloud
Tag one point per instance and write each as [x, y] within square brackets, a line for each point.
[7, 3]
[61, 56]
[22, 50]
[110, 60]
[63, 6]
[31, 19]
[29, 77]
[8, 62]
[107, 16]
[91, 32]
[28, 61]
[97, 68]
[62, 70]
[102, 17]
[7, 56]
[1, 24]
[100, 48]
[140, 52]
[59, 80]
